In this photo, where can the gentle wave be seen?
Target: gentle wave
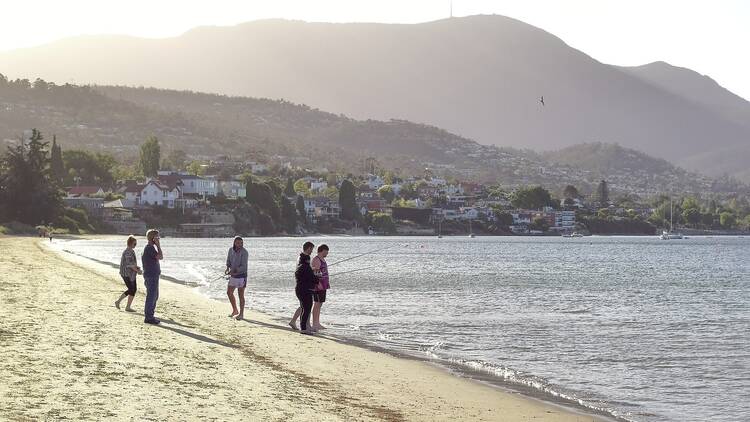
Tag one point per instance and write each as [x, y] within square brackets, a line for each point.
[640, 329]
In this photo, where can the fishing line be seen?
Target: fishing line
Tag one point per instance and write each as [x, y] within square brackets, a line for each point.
[351, 271]
[363, 254]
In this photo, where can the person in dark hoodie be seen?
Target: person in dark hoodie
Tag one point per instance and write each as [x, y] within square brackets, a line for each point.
[304, 290]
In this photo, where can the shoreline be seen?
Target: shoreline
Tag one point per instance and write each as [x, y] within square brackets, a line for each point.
[450, 368]
[68, 353]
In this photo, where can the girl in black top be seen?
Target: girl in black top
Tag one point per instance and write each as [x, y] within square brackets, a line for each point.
[306, 281]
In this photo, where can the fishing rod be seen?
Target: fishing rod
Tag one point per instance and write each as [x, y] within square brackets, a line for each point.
[363, 254]
[339, 273]
[217, 278]
[330, 265]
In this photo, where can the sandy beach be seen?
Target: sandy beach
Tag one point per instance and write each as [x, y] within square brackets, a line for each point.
[68, 353]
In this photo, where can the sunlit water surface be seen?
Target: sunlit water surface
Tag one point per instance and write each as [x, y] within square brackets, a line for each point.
[645, 329]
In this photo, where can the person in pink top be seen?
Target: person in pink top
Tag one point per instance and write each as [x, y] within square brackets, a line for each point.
[320, 267]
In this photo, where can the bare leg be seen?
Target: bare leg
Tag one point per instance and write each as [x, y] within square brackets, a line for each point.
[130, 302]
[117, 302]
[241, 294]
[293, 322]
[230, 294]
[316, 315]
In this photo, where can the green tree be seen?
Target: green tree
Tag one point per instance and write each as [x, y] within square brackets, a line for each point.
[539, 223]
[388, 178]
[692, 216]
[150, 157]
[266, 224]
[689, 202]
[301, 187]
[124, 172]
[261, 195]
[533, 198]
[175, 160]
[288, 216]
[40, 84]
[331, 193]
[383, 223]
[503, 218]
[28, 192]
[663, 212]
[602, 193]
[603, 214]
[348, 200]
[289, 189]
[245, 218]
[196, 168]
[301, 213]
[408, 191]
[727, 220]
[83, 167]
[386, 193]
[570, 192]
[275, 187]
[57, 167]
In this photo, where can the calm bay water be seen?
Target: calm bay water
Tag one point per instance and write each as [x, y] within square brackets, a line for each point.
[645, 329]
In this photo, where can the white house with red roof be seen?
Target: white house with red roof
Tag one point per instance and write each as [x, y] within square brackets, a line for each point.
[151, 193]
[155, 193]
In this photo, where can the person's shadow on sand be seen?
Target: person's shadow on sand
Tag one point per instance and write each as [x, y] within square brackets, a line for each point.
[172, 325]
[165, 325]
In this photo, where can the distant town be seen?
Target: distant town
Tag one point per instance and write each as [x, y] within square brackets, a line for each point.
[223, 196]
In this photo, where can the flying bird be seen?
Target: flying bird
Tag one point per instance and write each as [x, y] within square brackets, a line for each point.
[541, 100]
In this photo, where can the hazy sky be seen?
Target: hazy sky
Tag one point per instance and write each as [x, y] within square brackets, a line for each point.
[709, 36]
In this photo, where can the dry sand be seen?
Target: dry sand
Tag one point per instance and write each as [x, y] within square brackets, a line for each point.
[67, 353]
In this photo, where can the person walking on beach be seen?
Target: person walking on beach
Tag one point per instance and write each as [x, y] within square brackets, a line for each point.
[305, 279]
[320, 268]
[128, 270]
[152, 254]
[237, 271]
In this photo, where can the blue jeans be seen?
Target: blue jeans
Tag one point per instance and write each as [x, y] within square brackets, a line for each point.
[152, 295]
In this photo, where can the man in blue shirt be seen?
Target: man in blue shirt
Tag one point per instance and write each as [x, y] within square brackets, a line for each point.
[151, 271]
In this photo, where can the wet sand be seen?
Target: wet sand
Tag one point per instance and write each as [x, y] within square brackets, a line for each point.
[67, 353]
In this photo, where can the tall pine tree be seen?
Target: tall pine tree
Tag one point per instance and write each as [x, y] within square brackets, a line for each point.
[27, 192]
[150, 157]
[289, 190]
[57, 168]
[602, 194]
[348, 201]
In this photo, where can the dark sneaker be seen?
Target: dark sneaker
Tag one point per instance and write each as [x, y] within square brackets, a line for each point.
[152, 321]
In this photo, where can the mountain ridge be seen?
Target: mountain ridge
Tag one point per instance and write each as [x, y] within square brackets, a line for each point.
[480, 77]
[117, 119]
